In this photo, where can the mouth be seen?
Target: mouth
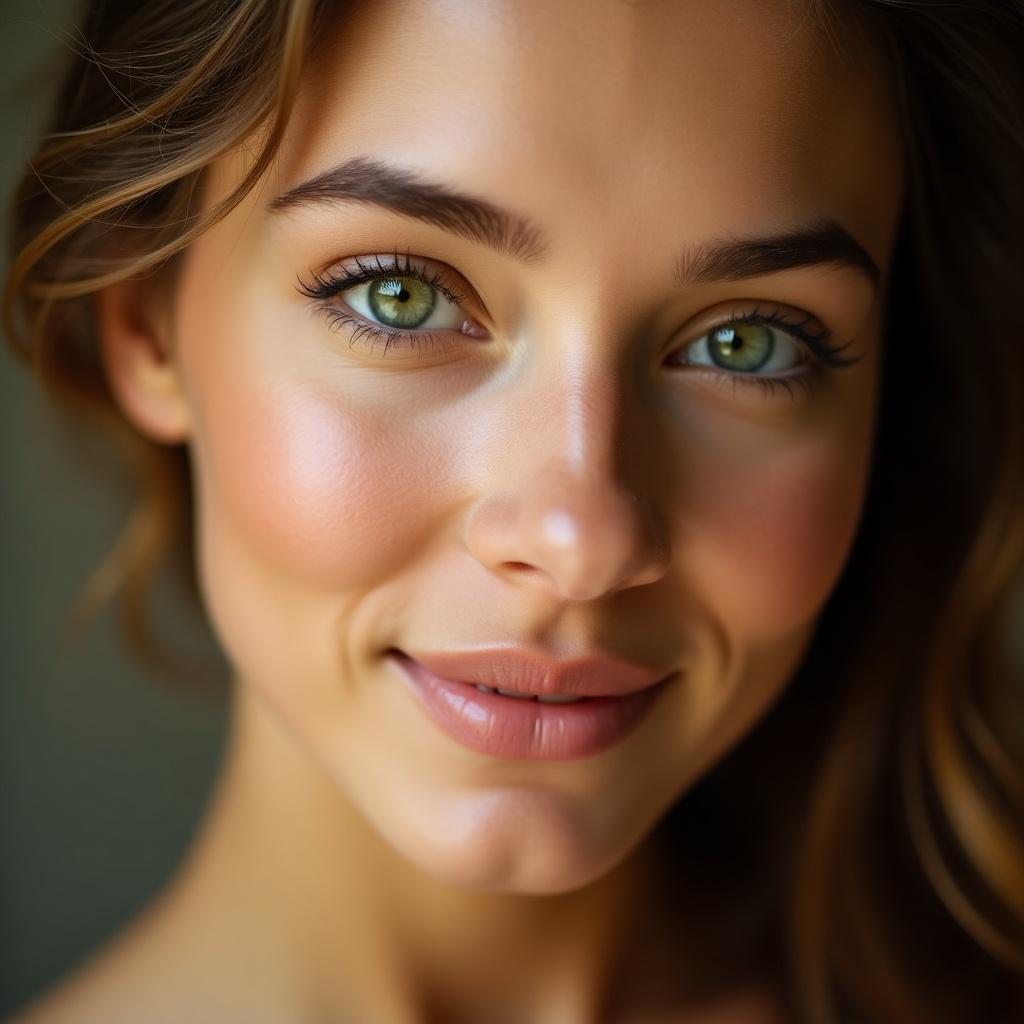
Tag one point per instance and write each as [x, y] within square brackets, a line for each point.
[530, 672]
[543, 698]
[523, 723]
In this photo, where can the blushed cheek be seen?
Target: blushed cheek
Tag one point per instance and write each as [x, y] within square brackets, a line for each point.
[773, 540]
[326, 496]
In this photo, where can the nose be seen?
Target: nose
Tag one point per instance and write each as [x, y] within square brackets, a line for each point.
[559, 514]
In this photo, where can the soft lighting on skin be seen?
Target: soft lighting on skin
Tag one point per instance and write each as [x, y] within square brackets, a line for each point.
[559, 529]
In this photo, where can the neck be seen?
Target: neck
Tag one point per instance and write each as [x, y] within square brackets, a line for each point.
[304, 889]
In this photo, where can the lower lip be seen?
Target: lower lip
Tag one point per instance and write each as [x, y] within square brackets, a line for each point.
[512, 727]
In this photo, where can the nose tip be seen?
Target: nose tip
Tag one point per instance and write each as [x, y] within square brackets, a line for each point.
[580, 538]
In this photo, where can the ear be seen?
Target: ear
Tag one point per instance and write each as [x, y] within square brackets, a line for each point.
[136, 343]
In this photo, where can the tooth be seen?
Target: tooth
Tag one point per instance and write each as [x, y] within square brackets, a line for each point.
[512, 693]
[484, 689]
[552, 699]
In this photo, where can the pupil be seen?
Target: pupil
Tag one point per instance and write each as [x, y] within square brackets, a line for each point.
[402, 302]
[747, 346]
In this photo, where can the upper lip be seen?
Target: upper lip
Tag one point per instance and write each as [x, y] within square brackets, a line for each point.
[531, 672]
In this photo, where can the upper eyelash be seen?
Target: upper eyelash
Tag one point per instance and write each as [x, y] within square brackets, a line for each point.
[326, 286]
[818, 342]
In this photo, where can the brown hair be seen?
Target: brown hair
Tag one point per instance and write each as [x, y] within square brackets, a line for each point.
[888, 837]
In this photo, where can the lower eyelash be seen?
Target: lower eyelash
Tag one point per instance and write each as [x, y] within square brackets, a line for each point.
[771, 385]
[361, 330]
[336, 319]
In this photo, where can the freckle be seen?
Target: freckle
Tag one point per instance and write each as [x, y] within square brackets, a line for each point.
[558, 529]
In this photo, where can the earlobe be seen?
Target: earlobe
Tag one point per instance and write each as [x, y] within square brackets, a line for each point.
[135, 339]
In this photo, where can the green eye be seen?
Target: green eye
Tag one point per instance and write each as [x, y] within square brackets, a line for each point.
[401, 301]
[742, 347]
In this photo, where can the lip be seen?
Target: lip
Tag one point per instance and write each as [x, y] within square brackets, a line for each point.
[617, 698]
[531, 672]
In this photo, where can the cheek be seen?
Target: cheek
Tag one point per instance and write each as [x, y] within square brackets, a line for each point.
[773, 538]
[333, 497]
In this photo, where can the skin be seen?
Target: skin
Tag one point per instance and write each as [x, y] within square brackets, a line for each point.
[355, 861]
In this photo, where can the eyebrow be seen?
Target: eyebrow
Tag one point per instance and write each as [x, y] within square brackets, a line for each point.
[365, 180]
[399, 190]
[826, 242]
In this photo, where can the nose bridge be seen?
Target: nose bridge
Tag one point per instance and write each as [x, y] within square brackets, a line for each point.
[583, 437]
[567, 504]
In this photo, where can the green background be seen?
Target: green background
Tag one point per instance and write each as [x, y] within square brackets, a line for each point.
[104, 769]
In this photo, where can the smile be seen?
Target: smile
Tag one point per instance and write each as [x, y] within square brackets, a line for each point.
[517, 721]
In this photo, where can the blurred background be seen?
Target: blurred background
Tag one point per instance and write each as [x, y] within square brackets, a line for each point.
[104, 769]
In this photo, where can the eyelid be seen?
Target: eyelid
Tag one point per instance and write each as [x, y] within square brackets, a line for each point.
[328, 281]
[751, 310]
[815, 344]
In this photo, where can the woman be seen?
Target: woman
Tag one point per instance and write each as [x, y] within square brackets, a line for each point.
[601, 426]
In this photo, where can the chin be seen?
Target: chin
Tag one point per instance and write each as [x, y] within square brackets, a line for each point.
[513, 841]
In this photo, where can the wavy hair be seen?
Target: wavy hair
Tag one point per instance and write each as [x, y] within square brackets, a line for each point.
[886, 844]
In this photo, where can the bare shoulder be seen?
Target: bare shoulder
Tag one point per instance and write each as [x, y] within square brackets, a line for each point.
[99, 987]
[115, 984]
[154, 973]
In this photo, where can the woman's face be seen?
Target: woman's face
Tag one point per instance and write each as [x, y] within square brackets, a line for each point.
[585, 456]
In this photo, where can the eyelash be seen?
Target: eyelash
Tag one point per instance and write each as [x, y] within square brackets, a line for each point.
[323, 288]
[818, 344]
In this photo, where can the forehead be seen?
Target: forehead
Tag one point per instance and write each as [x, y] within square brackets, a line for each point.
[722, 115]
